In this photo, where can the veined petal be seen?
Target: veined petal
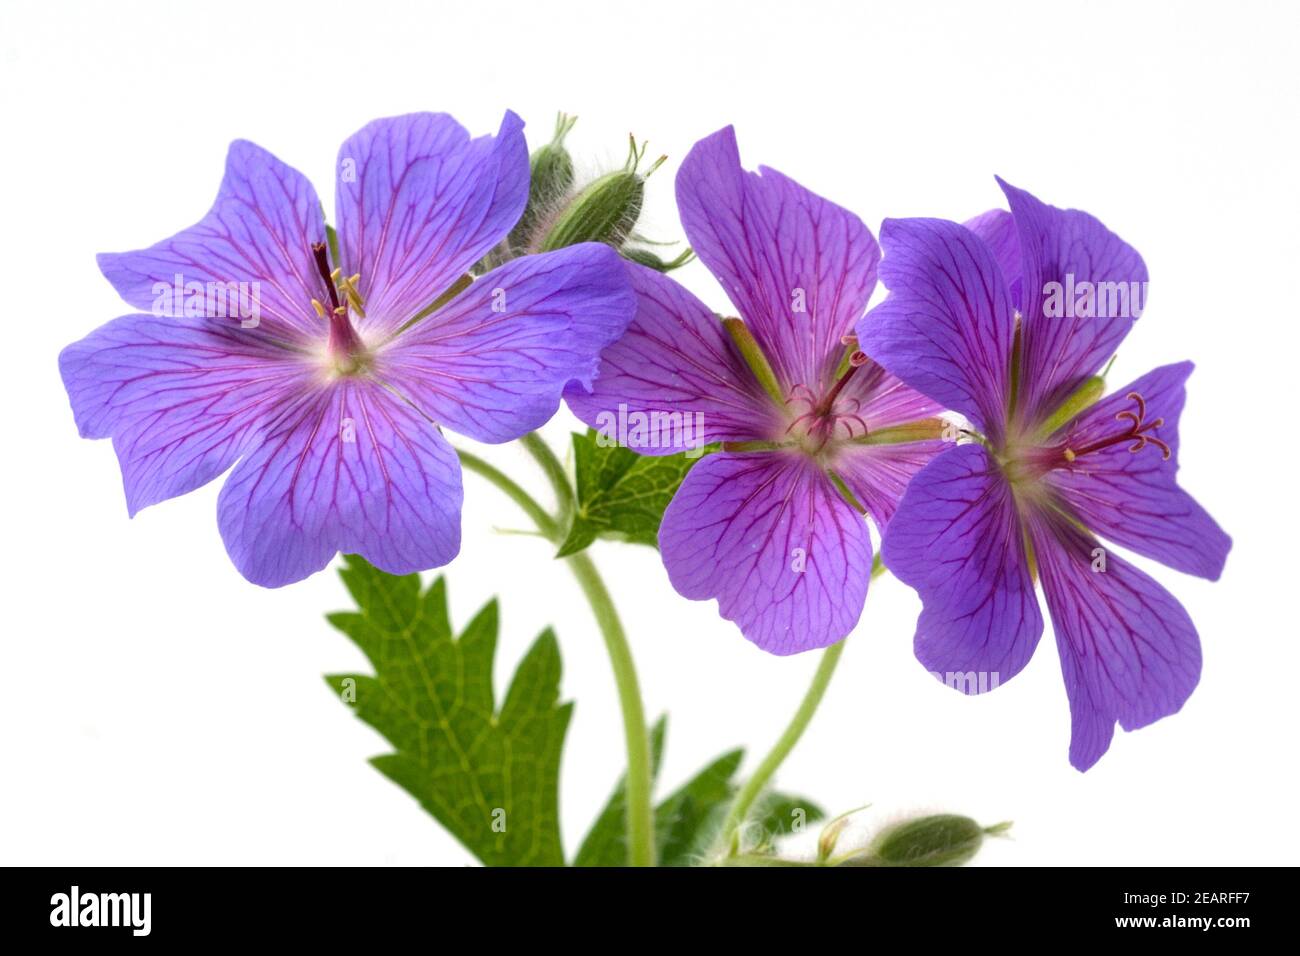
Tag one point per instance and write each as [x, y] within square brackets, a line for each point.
[799, 268]
[771, 538]
[997, 230]
[957, 539]
[182, 399]
[947, 325]
[349, 468]
[1132, 497]
[676, 370]
[1129, 651]
[492, 363]
[419, 203]
[878, 475]
[252, 248]
[1065, 250]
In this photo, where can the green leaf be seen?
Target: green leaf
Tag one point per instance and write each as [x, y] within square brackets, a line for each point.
[620, 494]
[783, 813]
[687, 822]
[490, 776]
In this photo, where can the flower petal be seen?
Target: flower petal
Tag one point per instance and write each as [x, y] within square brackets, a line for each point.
[957, 539]
[259, 232]
[1129, 652]
[947, 325]
[997, 230]
[348, 468]
[1068, 247]
[1133, 498]
[182, 399]
[878, 475]
[769, 536]
[492, 363]
[677, 367]
[419, 203]
[799, 268]
[881, 400]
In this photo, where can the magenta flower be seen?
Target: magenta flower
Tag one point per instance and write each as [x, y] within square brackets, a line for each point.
[763, 526]
[324, 379]
[1007, 320]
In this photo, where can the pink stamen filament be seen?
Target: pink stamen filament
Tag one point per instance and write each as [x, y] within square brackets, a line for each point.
[822, 413]
[1137, 433]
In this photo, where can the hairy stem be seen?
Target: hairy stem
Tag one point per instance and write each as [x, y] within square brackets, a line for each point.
[758, 780]
[640, 811]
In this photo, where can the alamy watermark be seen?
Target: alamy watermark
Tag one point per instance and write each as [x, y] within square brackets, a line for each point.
[1085, 299]
[969, 682]
[637, 429]
[75, 908]
[209, 300]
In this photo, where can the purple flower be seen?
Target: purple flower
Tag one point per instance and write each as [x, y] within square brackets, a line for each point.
[324, 379]
[1007, 321]
[764, 526]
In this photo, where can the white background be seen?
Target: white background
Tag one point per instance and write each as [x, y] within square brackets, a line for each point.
[157, 708]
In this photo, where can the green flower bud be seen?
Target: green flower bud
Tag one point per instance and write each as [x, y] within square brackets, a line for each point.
[550, 171]
[605, 210]
[941, 840]
[653, 261]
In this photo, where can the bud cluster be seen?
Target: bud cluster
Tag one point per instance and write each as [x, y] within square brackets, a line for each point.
[560, 213]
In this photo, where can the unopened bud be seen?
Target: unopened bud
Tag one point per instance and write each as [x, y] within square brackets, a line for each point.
[550, 177]
[940, 840]
[605, 210]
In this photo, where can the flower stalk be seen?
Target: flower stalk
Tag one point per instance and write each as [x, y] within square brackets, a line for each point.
[640, 810]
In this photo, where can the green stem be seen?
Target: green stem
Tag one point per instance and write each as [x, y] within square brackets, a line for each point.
[555, 474]
[545, 523]
[740, 807]
[640, 811]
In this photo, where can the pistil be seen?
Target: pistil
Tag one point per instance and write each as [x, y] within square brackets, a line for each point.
[344, 343]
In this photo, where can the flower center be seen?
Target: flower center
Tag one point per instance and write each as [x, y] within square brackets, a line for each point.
[818, 425]
[344, 347]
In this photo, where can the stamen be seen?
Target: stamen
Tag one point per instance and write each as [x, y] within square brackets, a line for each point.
[801, 393]
[343, 338]
[1138, 432]
[856, 361]
[823, 414]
